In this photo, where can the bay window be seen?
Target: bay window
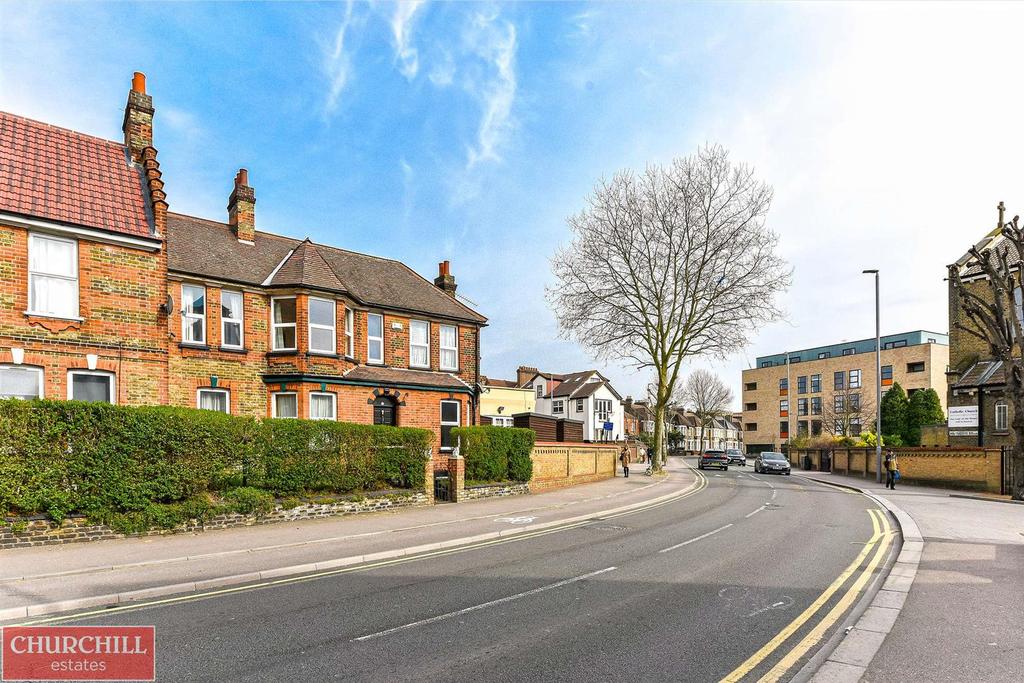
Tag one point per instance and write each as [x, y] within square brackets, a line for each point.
[322, 337]
[449, 347]
[419, 344]
[284, 404]
[231, 319]
[375, 338]
[193, 314]
[52, 276]
[349, 330]
[322, 406]
[283, 323]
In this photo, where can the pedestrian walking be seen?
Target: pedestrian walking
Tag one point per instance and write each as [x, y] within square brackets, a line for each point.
[892, 469]
[624, 459]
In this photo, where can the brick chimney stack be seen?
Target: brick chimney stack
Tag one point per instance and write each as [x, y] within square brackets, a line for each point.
[524, 374]
[138, 118]
[242, 208]
[445, 280]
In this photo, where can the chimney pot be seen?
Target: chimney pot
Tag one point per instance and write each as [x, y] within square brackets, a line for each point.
[243, 177]
[139, 82]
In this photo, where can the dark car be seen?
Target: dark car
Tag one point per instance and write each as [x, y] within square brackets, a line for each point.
[771, 463]
[736, 457]
[711, 458]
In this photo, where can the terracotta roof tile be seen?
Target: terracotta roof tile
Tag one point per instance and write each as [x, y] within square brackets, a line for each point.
[60, 175]
[370, 373]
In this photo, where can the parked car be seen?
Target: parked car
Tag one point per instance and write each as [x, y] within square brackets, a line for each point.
[736, 457]
[712, 458]
[768, 462]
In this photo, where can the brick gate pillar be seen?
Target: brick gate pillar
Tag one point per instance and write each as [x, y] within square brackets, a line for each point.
[428, 479]
[457, 472]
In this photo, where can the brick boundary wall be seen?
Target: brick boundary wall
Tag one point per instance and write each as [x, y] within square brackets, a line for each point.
[41, 531]
[974, 469]
[497, 490]
[558, 465]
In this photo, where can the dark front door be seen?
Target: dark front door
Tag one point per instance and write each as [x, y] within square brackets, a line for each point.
[385, 412]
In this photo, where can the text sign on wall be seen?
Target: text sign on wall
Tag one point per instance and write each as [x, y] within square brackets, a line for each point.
[963, 416]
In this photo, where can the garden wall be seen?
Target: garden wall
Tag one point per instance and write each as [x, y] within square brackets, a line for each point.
[557, 465]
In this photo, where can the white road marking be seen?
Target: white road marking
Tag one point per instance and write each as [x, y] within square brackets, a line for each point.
[756, 511]
[784, 603]
[492, 603]
[694, 540]
[773, 493]
[516, 520]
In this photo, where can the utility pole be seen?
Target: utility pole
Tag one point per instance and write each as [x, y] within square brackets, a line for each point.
[789, 412]
[878, 382]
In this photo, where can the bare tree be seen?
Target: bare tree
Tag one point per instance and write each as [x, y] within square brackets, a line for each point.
[847, 412]
[707, 397]
[993, 309]
[668, 264]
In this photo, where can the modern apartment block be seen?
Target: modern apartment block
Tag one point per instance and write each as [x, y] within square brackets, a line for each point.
[827, 383]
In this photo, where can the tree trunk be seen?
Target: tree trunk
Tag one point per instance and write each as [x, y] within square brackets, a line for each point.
[658, 457]
[1017, 452]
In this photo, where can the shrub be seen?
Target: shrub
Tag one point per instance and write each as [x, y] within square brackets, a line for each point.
[138, 467]
[496, 453]
[245, 500]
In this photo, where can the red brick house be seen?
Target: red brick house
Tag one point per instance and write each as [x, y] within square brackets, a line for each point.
[105, 295]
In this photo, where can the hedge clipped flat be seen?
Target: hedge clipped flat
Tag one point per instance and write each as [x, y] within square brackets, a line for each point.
[151, 465]
[496, 453]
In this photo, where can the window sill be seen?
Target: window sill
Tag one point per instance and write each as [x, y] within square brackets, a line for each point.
[233, 349]
[419, 367]
[34, 314]
[283, 352]
[378, 363]
[190, 345]
[449, 369]
[322, 354]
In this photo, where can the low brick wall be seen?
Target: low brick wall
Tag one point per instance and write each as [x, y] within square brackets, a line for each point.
[974, 469]
[500, 490]
[41, 531]
[557, 465]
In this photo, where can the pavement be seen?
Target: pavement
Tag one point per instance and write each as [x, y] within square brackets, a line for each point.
[744, 578]
[49, 579]
[963, 615]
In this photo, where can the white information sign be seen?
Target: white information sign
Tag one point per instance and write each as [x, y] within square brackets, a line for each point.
[963, 416]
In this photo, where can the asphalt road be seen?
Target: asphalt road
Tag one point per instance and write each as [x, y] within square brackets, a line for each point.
[686, 591]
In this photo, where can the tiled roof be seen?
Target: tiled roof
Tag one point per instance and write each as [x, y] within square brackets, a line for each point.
[994, 242]
[208, 248]
[370, 373]
[504, 383]
[57, 174]
[572, 382]
[982, 373]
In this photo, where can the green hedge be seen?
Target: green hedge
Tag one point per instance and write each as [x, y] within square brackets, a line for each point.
[496, 453]
[61, 457]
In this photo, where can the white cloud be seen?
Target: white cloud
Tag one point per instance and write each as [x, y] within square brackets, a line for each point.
[494, 42]
[442, 74]
[337, 63]
[406, 54]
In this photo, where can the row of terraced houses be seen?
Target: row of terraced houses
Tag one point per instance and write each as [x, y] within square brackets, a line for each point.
[107, 295]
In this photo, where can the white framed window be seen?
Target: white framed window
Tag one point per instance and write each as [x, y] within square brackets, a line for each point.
[1002, 417]
[579, 405]
[322, 333]
[231, 319]
[374, 338]
[540, 391]
[19, 381]
[502, 421]
[284, 404]
[603, 410]
[557, 407]
[450, 414]
[283, 324]
[419, 344]
[323, 406]
[855, 379]
[91, 385]
[350, 346]
[193, 314]
[449, 347]
[52, 276]
[214, 399]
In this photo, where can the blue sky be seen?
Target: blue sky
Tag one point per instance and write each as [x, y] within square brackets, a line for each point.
[469, 132]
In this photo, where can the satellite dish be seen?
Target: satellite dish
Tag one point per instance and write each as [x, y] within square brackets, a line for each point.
[167, 306]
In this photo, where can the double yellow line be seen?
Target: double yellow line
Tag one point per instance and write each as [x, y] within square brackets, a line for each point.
[879, 542]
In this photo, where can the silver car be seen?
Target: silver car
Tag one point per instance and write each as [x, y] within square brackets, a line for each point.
[736, 457]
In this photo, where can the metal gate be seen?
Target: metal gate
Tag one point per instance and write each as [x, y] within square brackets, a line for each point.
[1006, 482]
[442, 486]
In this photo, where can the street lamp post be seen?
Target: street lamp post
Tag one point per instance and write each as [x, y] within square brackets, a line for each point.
[878, 382]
